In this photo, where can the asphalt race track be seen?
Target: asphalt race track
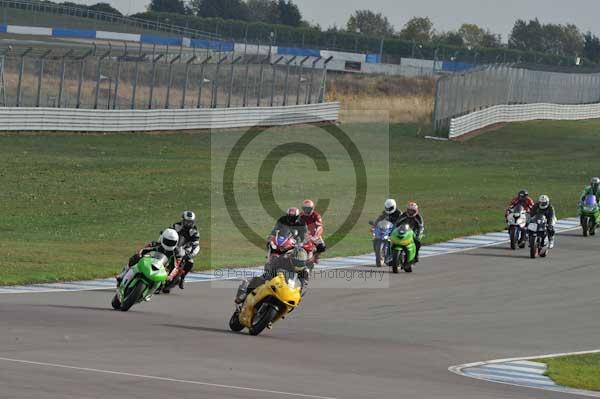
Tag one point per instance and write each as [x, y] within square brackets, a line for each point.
[344, 343]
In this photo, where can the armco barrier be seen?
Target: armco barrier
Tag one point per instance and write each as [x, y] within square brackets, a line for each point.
[94, 120]
[520, 113]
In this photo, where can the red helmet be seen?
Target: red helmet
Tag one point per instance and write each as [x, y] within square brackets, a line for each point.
[308, 207]
[412, 209]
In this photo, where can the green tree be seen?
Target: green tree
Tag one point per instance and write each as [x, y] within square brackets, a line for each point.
[261, 11]
[104, 7]
[226, 9]
[370, 23]
[449, 38]
[173, 6]
[289, 13]
[591, 49]
[474, 36]
[418, 29]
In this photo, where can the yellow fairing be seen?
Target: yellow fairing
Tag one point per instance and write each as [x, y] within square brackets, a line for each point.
[276, 287]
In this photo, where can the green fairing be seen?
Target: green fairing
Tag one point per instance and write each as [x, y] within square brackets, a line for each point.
[406, 241]
[143, 271]
[145, 267]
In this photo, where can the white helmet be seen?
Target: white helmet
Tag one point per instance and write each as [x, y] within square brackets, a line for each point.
[188, 219]
[169, 239]
[544, 202]
[390, 206]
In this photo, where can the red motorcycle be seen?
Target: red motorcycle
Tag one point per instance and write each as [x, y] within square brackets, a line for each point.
[282, 243]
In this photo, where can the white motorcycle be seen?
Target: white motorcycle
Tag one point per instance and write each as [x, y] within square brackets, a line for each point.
[517, 230]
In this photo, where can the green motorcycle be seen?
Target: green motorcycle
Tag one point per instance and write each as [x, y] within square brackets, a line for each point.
[141, 281]
[403, 249]
[589, 214]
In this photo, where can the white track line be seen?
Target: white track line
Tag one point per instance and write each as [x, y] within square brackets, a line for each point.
[151, 377]
[460, 370]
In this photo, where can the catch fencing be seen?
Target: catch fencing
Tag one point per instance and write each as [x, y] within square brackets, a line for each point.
[155, 78]
[485, 87]
[101, 120]
[520, 113]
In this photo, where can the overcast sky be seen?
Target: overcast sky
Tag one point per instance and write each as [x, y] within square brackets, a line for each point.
[499, 16]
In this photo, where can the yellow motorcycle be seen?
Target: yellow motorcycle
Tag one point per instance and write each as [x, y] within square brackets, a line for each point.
[266, 299]
[267, 303]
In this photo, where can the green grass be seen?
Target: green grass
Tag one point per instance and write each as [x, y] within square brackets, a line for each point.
[581, 371]
[76, 206]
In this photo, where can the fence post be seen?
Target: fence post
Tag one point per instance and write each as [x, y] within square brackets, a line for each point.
[136, 76]
[62, 76]
[312, 79]
[287, 76]
[260, 79]
[170, 80]
[214, 96]
[187, 78]
[202, 81]
[324, 80]
[233, 62]
[80, 77]
[277, 61]
[436, 104]
[21, 70]
[98, 75]
[153, 79]
[300, 70]
[40, 77]
[246, 78]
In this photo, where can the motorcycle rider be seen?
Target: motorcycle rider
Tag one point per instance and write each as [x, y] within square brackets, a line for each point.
[544, 208]
[592, 189]
[290, 221]
[415, 221]
[166, 244]
[297, 258]
[390, 212]
[189, 237]
[522, 199]
[314, 224]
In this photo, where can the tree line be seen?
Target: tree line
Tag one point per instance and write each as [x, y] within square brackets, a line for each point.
[550, 40]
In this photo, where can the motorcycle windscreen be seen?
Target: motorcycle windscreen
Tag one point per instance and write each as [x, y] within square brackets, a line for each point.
[383, 229]
[590, 201]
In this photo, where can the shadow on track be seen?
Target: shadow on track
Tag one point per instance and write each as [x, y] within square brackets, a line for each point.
[105, 308]
[199, 328]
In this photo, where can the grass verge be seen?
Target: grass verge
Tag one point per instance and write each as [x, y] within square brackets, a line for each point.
[77, 206]
[578, 371]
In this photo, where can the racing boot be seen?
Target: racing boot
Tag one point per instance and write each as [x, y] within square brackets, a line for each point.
[241, 294]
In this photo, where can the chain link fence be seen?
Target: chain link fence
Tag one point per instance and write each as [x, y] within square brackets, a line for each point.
[484, 87]
[109, 79]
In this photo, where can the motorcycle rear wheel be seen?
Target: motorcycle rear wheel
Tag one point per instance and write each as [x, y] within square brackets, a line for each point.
[265, 315]
[133, 296]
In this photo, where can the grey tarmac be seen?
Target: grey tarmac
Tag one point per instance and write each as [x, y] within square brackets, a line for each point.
[394, 342]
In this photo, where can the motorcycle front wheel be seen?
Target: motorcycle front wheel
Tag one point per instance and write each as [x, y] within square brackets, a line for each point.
[379, 248]
[265, 315]
[133, 296]
[584, 226]
[532, 246]
[513, 237]
[234, 322]
[406, 266]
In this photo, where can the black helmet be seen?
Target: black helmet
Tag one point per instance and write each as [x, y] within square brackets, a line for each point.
[523, 194]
